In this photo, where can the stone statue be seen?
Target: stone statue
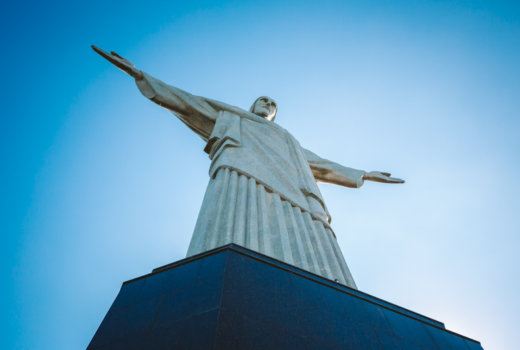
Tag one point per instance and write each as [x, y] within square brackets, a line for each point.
[262, 192]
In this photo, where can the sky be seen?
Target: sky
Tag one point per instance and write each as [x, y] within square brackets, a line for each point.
[99, 185]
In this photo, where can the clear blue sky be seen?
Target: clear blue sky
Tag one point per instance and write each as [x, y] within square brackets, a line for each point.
[99, 185]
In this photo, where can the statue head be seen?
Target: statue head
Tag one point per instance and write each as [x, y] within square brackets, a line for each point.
[264, 107]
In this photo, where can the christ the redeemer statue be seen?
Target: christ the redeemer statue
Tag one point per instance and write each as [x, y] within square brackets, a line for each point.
[262, 193]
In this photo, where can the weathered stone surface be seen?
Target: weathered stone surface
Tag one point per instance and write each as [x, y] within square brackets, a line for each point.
[262, 192]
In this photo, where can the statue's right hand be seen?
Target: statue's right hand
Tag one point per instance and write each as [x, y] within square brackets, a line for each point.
[120, 62]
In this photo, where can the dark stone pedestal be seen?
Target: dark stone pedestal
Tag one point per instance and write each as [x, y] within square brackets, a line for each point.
[233, 298]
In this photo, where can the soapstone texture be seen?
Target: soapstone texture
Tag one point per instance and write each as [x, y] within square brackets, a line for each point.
[251, 216]
[262, 192]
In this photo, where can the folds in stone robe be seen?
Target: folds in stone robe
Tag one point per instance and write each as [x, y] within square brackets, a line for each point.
[262, 193]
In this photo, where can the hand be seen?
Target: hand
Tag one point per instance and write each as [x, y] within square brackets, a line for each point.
[120, 62]
[379, 176]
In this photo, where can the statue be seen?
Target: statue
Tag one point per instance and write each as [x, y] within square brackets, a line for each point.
[262, 192]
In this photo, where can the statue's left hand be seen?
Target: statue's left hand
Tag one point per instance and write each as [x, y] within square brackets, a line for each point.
[120, 62]
[383, 177]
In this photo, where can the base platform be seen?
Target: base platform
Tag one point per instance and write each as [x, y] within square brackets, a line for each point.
[234, 298]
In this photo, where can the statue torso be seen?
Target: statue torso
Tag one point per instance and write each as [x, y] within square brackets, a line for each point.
[266, 152]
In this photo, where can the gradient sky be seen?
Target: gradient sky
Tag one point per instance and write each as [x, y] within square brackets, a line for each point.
[99, 185]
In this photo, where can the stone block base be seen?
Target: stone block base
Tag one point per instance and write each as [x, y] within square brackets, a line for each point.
[234, 298]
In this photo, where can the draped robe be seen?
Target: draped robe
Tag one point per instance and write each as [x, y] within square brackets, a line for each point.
[262, 193]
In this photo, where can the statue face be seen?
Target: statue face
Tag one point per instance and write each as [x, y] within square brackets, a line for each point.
[265, 107]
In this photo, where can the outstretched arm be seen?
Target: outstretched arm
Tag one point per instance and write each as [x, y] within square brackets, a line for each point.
[192, 110]
[330, 172]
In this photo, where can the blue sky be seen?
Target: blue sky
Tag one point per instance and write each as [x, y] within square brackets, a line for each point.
[99, 185]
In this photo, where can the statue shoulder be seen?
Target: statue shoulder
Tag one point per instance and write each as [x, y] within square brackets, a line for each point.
[221, 106]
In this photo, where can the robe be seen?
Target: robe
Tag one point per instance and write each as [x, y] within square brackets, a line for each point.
[262, 193]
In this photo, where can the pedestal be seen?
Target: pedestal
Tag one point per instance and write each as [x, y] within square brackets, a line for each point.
[234, 298]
